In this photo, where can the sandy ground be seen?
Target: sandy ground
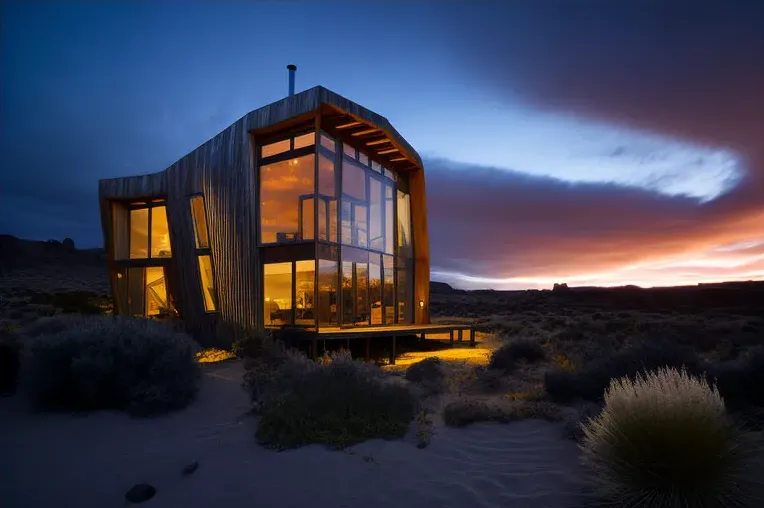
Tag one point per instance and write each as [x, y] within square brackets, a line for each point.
[91, 461]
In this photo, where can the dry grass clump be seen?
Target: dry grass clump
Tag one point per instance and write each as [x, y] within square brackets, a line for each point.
[664, 440]
[136, 365]
[463, 412]
[338, 402]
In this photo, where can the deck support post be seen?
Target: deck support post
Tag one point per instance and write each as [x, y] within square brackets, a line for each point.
[348, 344]
[392, 352]
[451, 337]
[472, 336]
[314, 349]
[460, 335]
[368, 348]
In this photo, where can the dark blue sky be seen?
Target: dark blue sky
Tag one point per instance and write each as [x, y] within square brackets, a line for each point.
[594, 142]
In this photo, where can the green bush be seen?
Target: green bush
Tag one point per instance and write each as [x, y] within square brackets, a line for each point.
[506, 357]
[134, 365]
[338, 404]
[665, 440]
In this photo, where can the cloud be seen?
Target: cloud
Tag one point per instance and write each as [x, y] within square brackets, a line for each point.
[493, 227]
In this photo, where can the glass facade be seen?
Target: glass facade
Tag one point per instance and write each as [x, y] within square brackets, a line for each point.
[346, 209]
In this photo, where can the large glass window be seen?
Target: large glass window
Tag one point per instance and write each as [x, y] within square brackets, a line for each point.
[305, 277]
[376, 215]
[404, 224]
[156, 291]
[160, 233]
[389, 218]
[388, 293]
[405, 288]
[284, 187]
[201, 236]
[355, 286]
[203, 254]
[375, 288]
[139, 233]
[327, 292]
[327, 200]
[207, 280]
[277, 290]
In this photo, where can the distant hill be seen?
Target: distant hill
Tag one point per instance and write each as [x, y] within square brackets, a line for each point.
[16, 253]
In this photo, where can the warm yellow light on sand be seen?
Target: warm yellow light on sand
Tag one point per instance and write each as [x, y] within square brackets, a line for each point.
[214, 355]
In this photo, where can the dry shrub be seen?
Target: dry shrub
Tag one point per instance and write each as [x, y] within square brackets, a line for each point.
[9, 359]
[664, 440]
[338, 404]
[741, 381]
[509, 354]
[135, 365]
[428, 374]
[463, 412]
[591, 380]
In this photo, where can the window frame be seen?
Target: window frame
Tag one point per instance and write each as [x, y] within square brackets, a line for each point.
[143, 204]
[203, 251]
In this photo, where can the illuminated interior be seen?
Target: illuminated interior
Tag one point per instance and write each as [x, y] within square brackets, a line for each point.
[142, 253]
[356, 215]
[204, 254]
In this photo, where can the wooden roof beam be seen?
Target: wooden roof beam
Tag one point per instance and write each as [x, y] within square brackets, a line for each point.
[348, 125]
[378, 142]
[365, 132]
[389, 150]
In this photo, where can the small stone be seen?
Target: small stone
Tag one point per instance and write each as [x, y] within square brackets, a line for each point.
[189, 469]
[140, 492]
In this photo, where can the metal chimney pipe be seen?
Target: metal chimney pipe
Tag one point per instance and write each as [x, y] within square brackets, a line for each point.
[292, 68]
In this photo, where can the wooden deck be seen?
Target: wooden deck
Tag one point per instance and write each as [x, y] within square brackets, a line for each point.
[454, 330]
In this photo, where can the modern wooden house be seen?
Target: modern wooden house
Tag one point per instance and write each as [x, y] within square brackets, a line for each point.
[309, 212]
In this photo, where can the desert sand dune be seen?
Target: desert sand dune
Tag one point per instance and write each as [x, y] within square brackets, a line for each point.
[92, 460]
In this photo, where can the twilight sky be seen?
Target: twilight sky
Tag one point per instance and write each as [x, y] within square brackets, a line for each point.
[587, 142]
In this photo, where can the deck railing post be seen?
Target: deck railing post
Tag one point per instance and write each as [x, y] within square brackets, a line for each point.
[451, 336]
[472, 336]
[392, 352]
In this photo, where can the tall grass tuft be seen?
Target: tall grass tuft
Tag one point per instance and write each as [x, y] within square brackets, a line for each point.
[664, 439]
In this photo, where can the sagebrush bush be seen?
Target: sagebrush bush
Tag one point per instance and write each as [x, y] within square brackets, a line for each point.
[338, 404]
[9, 360]
[506, 357]
[664, 440]
[274, 373]
[590, 381]
[428, 373]
[135, 365]
[463, 412]
[741, 381]
[51, 325]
